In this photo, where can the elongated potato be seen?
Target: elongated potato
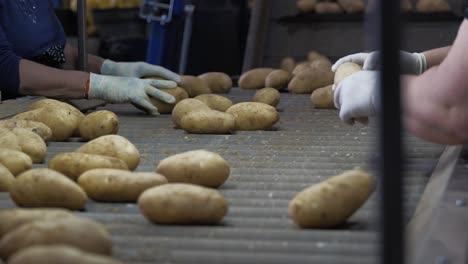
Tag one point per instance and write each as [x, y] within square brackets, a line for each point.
[31, 144]
[181, 203]
[58, 254]
[345, 70]
[218, 82]
[215, 102]
[267, 96]
[432, 6]
[278, 79]
[322, 98]
[185, 107]
[73, 164]
[254, 79]
[198, 167]
[37, 127]
[254, 116]
[15, 161]
[165, 108]
[51, 102]
[79, 232]
[288, 64]
[331, 202]
[109, 185]
[47, 188]
[352, 6]
[194, 86]
[208, 122]
[11, 219]
[306, 6]
[9, 140]
[99, 124]
[113, 146]
[6, 179]
[328, 8]
[309, 80]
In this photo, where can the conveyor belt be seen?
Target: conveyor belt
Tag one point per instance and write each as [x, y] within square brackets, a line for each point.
[268, 169]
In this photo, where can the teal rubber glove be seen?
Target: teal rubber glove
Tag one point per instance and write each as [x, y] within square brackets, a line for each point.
[130, 90]
[137, 70]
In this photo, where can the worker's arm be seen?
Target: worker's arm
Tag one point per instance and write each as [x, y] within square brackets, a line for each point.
[94, 62]
[435, 57]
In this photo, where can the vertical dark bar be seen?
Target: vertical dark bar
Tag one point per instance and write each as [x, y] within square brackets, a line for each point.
[392, 251]
[82, 36]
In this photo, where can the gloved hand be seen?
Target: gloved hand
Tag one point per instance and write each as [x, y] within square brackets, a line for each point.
[129, 90]
[356, 97]
[138, 70]
[411, 63]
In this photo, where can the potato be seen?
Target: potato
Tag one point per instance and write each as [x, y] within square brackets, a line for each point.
[113, 146]
[58, 254]
[331, 202]
[208, 122]
[322, 98]
[73, 164]
[165, 108]
[15, 161]
[345, 70]
[217, 81]
[181, 203]
[288, 64]
[306, 6]
[6, 179]
[198, 167]
[194, 86]
[31, 144]
[352, 6]
[47, 188]
[11, 219]
[254, 79]
[323, 65]
[300, 67]
[254, 116]
[315, 56]
[432, 6]
[185, 107]
[328, 8]
[310, 80]
[79, 232]
[99, 124]
[278, 79]
[37, 127]
[267, 96]
[215, 102]
[110, 185]
[9, 140]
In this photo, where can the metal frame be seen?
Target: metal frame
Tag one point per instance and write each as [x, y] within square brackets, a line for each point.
[82, 36]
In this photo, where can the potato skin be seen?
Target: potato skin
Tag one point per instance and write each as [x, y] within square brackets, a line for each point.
[186, 106]
[352, 6]
[198, 167]
[254, 116]
[331, 202]
[288, 64]
[113, 146]
[328, 8]
[215, 102]
[181, 203]
[165, 108]
[47, 188]
[6, 179]
[267, 96]
[31, 144]
[322, 98]
[315, 56]
[208, 122]
[99, 123]
[73, 164]
[15, 161]
[309, 80]
[9, 140]
[58, 254]
[37, 127]
[300, 67]
[194, 86]
[254, 79]
[218, 82]
[79, 232]
[110, 185]
[306, 6]
[277, 79]
[345, 70]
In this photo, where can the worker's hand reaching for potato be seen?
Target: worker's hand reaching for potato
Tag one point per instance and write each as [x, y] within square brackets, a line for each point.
[138, 70]
[129, 90]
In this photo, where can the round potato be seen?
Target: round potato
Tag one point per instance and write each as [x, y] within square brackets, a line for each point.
[300, 67]
[208, 122]
[322, 98]
[165, 108]
[254, 116]
[315, 56]
[215, 102]
[6, 179]
[198, 167]
[9, 140]
[47, 188]
[194, 86]
[109, 185]
[181, 203]
[254, 79]
[321, 65]
[113, 146]
[278, 79]
[15, 161]
[309, 80]
[31, 144]
[346, 69]
[73, 164]
[185, 107]
[11, 219]
[58, 254]
[79, 232]
[99, 124]
[328, 8]
[37, 127]
[331, 202]
[218, 82]
[288, 64]
[267, 96]
[352, 6]
[306, 6]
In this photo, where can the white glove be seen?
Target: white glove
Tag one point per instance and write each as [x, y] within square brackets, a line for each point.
[356, 96]
[129, 90]
[138, 70]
